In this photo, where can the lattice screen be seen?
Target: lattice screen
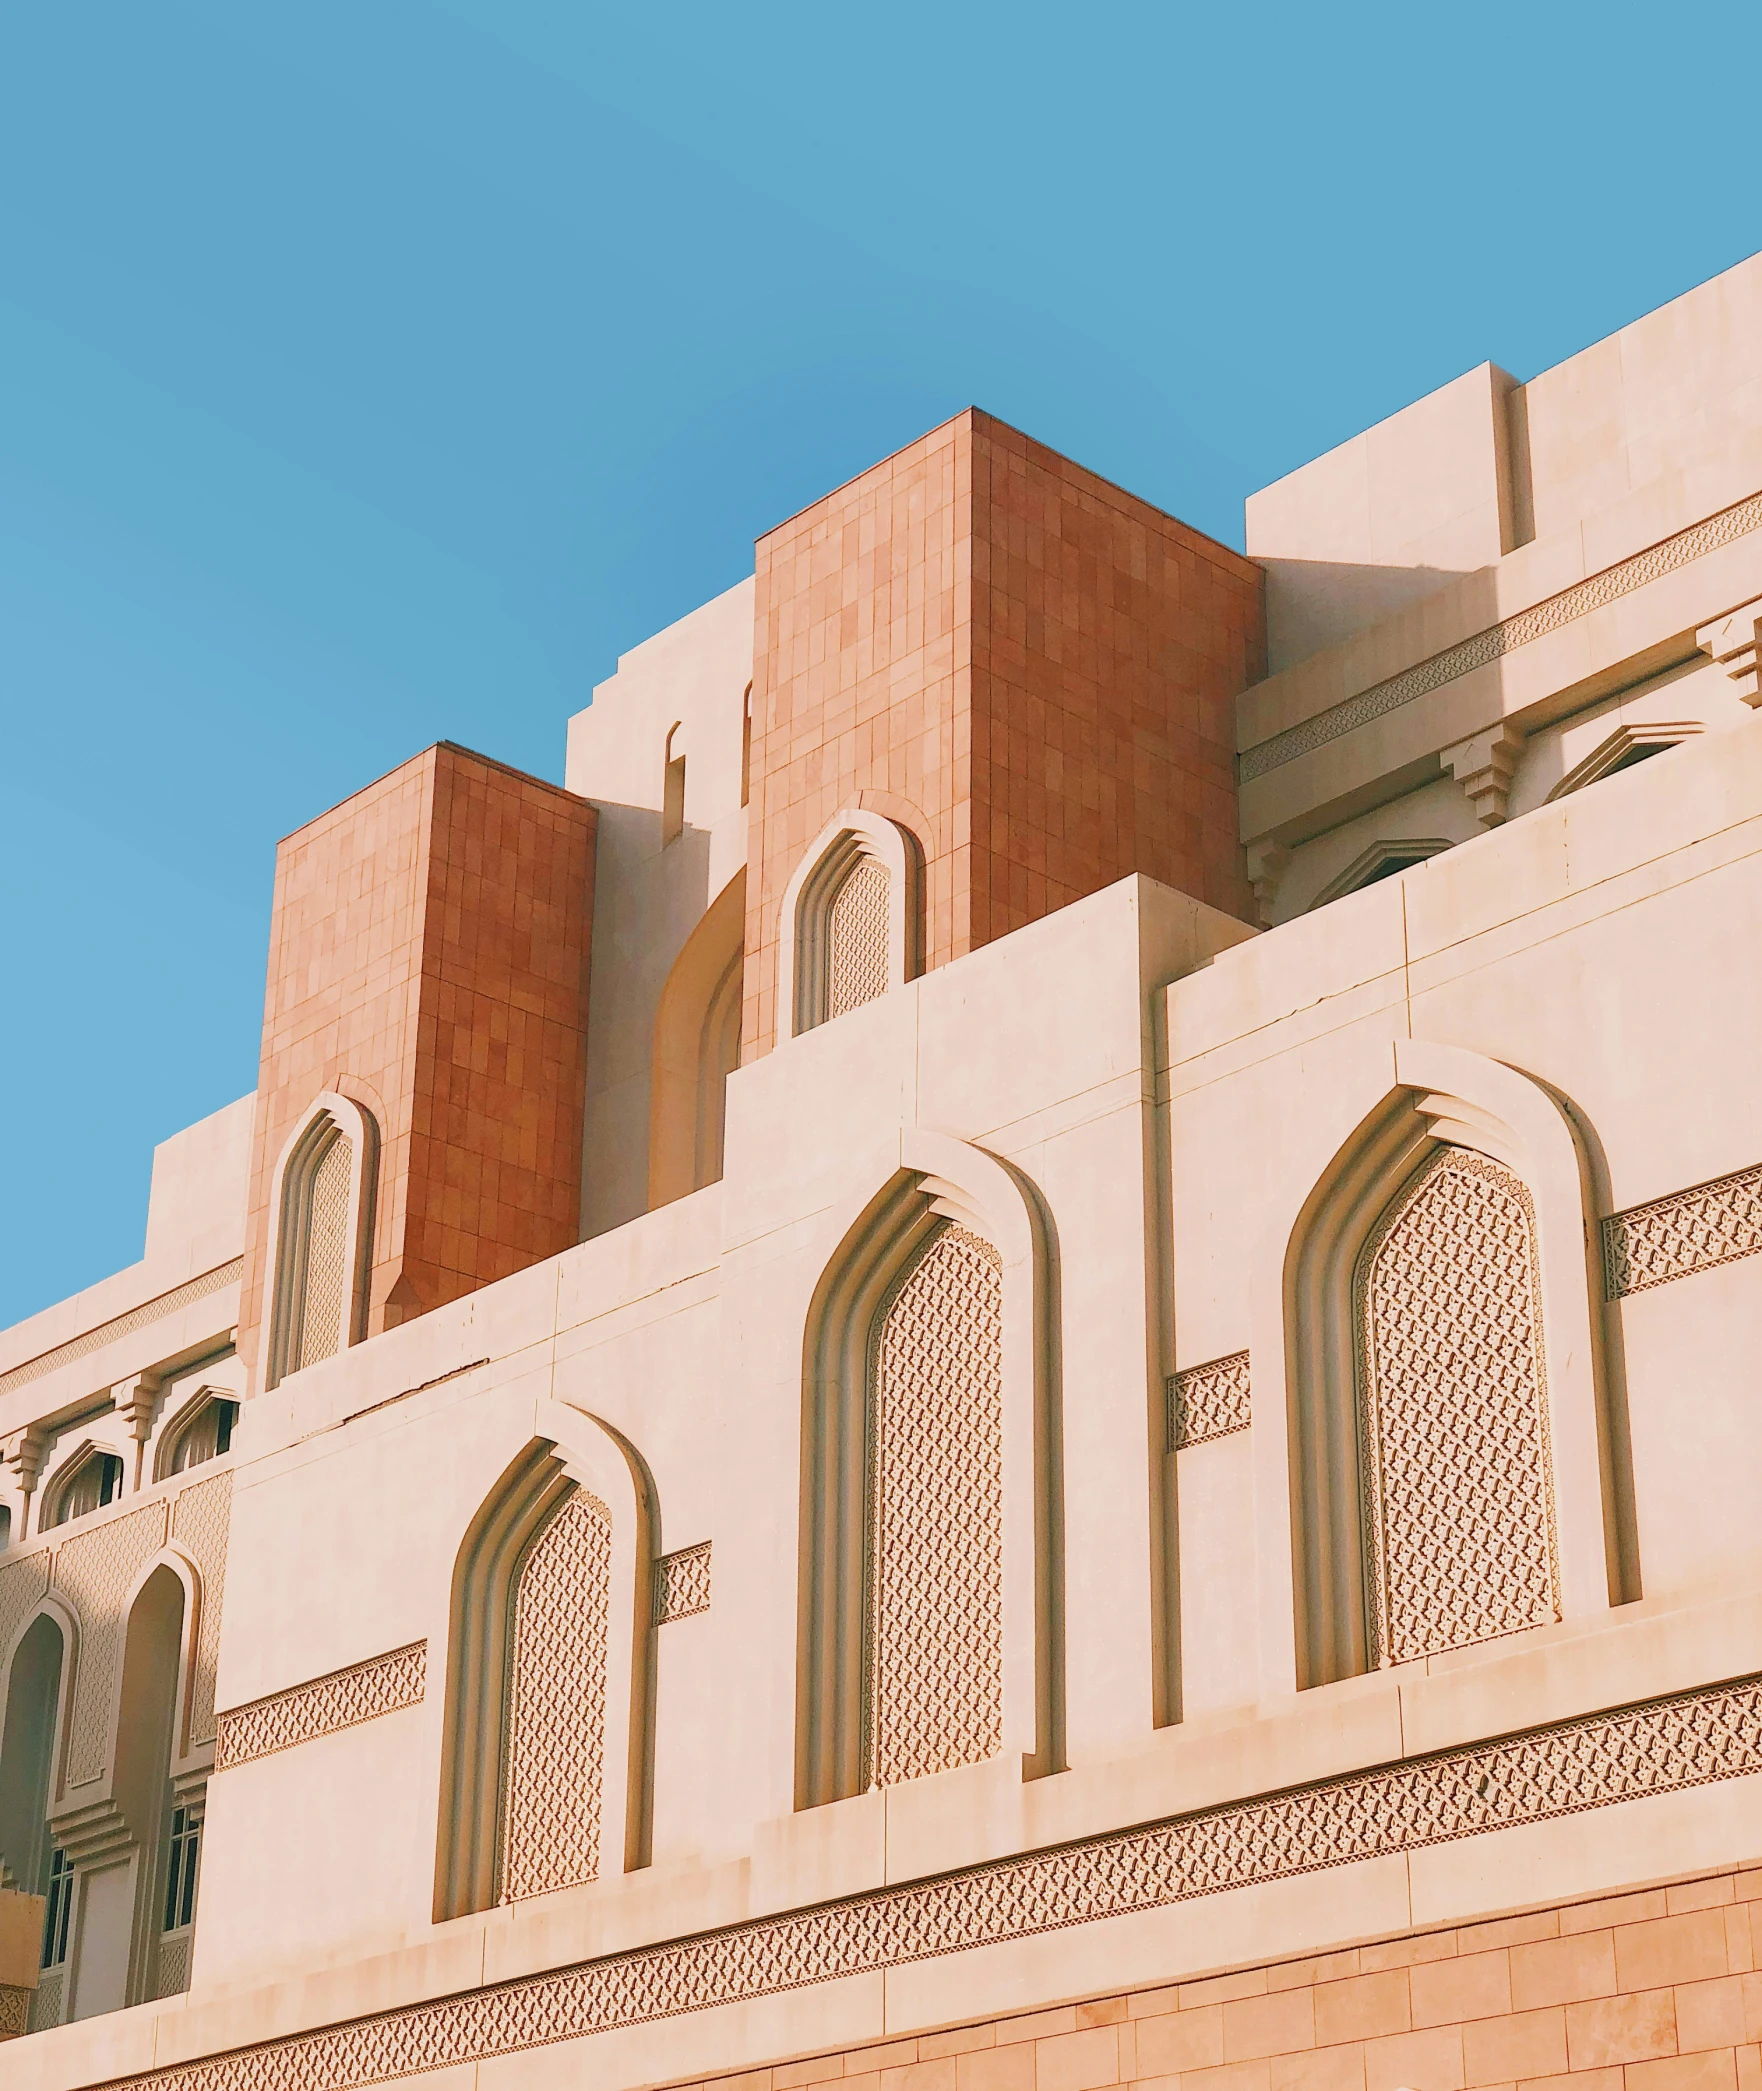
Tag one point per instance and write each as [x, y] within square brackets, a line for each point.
[556, 1723]
[1458, 1499]
[934, 1688]
[324, 1292]
[856, 938]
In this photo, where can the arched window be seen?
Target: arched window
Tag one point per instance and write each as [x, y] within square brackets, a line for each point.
[544, 1769]
[850, 928]
[1626, 746]
[1437, 1459]
[1456, 1474]
[203, 1432]
[322, 1202]
[28, 1761]
[88, 1483]
[925, 1639]
[1383, 860]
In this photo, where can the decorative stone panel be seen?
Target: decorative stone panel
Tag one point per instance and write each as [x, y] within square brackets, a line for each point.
[856, 937]
[682, 1583]
[1208, 1401]
[93, 1571]
[1456, 1472]
[201, 1518]
[1689, 1231]
[324, 1286]
[342, 1699]
[15, 2010]
[934, 1696]
[141, 1317]
[556, 1733]
[1660, 1747]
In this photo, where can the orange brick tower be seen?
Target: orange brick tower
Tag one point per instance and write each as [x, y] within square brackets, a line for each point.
[428, 959]
[1028, 668]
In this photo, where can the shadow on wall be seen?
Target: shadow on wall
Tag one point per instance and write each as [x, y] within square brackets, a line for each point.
[1312, 604]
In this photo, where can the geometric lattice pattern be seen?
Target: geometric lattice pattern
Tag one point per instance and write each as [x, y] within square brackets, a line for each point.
[172, 1974]
[934, 1696]
[141, 1317]
[556, 1729]
[1662, 1747]
[682, 1583]
[93, 1570]
[1534, 623]
[22, 1584]
[1690, 1231]
[1458, 1496]
[1208, 1401]
[856, 938]
[342, 1699]
[325, 1281]
[201, 1517]
[15, 2011]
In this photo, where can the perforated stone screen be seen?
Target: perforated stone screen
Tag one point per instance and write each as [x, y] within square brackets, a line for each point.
[935, 1640]
[1458, 1511]
[856, 939]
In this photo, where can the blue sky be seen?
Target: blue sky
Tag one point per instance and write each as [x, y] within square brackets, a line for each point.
[373, 373]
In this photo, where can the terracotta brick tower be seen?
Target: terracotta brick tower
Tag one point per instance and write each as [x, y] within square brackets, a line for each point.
[428, 960]
[1030, 669]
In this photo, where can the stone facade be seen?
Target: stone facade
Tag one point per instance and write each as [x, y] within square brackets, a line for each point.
[1152, 1481]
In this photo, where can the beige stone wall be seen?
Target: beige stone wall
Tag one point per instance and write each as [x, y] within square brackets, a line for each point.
[1656, 1991]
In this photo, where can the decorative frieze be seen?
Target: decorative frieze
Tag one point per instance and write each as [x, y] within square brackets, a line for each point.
[1689, 1231]
[1208, 1401]
[682, 1583]
[1661, 1747]
[1502, 638]
[342, 1699]
[141, 1317]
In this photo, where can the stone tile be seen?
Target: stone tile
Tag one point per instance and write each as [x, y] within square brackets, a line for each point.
[1077, 2061]
[1279, 2024]
[1445, 1992]
[1712, 2071]
[1362, 2008]
[1633, 2028]
[1523, 2044]
[1176, 2041]
[1710, 2014]
[996, 2068]
[1670, 1949]
[1426, 2061]
[1562, 1970]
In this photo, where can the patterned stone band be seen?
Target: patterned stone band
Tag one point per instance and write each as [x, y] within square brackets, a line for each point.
[1690, 1231]
[15, 2010]
[1659, 1747]
[1209, 1401]
[124, 1325]
[1534, 623]
[344, 1699]
[682, 1583]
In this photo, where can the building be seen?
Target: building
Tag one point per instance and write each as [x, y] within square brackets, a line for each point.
[1024, 1358]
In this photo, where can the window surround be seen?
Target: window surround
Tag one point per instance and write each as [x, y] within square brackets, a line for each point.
[847, 838]
[1619, 751]
[187, 1417]
[925, 1176]
[1398, 1101]
[65, 1474]
[566, 1446]
[326, 1109]
[1398, 853]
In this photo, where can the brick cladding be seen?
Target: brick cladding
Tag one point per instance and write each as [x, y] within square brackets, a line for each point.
[1657, 1991]
[428, 957]
[1029, 668]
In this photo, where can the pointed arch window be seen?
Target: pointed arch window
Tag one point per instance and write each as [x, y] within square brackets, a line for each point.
[926, 1638]
[203, 1432]
[322, 1202]
[89, 1483]
[544, 1768]
[850, 919]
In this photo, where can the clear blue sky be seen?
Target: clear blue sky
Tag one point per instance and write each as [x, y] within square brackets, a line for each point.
[373, 373]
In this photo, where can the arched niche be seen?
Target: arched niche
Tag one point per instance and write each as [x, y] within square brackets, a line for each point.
[1411, 1102]
[321, 1199]
[573, 1506]
[36, 1682]
[938, 1197]
[851, 922]
[696, 1048]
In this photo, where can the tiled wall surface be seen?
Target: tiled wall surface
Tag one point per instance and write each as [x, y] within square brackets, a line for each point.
[428, 956]
[1648, 1992]
[1028, 667]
